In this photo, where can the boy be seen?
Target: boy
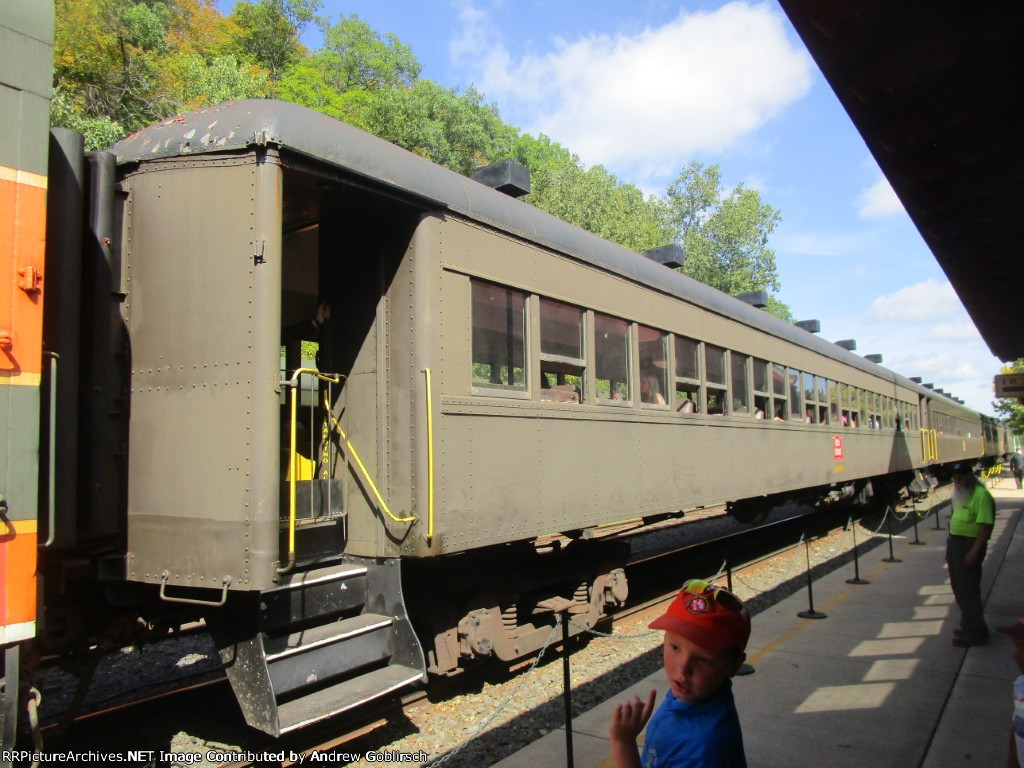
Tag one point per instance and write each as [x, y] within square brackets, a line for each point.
[1015, 756]
[706, 633]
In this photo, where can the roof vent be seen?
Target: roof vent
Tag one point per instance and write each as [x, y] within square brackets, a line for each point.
[848, 344]
[811, 326]
[874, 358]
[670, 255]
[916, 379]
[930, 385]
[508, 176]
[757, 299]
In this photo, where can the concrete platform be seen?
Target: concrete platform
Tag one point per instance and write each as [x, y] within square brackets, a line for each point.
[878, 682]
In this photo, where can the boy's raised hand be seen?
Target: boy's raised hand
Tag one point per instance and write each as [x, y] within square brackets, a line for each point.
[630, 717]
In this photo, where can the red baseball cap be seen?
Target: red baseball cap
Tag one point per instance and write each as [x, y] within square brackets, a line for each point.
[712, 617]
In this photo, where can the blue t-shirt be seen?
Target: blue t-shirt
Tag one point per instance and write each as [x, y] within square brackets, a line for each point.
[704, 734]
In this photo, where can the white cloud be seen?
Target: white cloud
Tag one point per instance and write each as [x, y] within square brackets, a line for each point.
[879, 200]
[919, 303]
[941, 369]
[960, 331]
[696, 85]
[818, 244]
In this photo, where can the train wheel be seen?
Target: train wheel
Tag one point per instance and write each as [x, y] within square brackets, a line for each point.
[749, 513]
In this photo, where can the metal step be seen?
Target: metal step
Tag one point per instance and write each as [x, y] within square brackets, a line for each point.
[310, 594]
[310, 648]
[313, 655]
[345, 695]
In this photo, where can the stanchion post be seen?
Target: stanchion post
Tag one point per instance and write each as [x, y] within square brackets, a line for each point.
[856, 564]
[728, 574]
[890, 513]
[938, 526]
[566, 688]
[810, 613]
[916, 540]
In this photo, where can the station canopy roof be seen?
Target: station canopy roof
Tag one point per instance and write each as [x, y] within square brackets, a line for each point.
[936, 90]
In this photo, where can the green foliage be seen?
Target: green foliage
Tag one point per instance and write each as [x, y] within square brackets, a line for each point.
[304, 83]
[106, 54]
[458, 131]
[725, 238]
[1009, 409]
[98, 132]
[196, 83]
[267, 32]
[355, 56]
[592, 199]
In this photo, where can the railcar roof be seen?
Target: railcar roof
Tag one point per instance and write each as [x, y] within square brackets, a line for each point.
[240, 125]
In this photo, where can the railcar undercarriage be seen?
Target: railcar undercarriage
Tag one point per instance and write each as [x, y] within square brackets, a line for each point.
[502, 602]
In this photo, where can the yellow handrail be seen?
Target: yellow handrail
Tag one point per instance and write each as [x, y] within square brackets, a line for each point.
[293, 382]
[430, 462]
[366, 475]
[930, 444]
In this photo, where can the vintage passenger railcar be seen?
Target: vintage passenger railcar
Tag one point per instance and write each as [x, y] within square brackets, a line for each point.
[492, 388]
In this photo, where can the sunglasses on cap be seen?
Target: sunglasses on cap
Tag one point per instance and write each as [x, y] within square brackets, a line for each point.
[723, 597]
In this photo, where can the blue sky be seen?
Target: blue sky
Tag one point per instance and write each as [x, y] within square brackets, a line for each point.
[646, 87]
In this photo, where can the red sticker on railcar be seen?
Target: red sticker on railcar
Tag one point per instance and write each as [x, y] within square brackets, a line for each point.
[837, 447]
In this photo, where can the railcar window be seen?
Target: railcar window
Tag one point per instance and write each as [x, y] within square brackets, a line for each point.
[795, 412]
[822, 400]
[739, 366]
[762, 395]
[714, 372]
[562, 352]
[779, 392]
[844, 405]
[611, 358]
[833, 404]
[499, 336]
[874, 410]
[653, 365]
[810, 404]
[687, 375]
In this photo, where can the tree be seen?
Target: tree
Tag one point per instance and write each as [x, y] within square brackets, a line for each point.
[304, 83]
[725, 238]
[1010, 409]
[592, 199]
[267, 32]
[197, 83]
[98, 132]
[106, 55]
[355, 56]
[458, 131]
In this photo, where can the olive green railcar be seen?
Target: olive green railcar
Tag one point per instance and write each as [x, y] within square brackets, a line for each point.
[492, 381]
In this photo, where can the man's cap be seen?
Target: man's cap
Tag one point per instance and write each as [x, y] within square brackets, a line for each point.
[712, 618]
[962, 468]
[1016, 631]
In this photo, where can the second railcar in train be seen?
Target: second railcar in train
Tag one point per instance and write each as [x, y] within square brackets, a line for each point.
[423, 478]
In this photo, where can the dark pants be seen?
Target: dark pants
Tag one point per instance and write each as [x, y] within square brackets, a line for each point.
[966, 583]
